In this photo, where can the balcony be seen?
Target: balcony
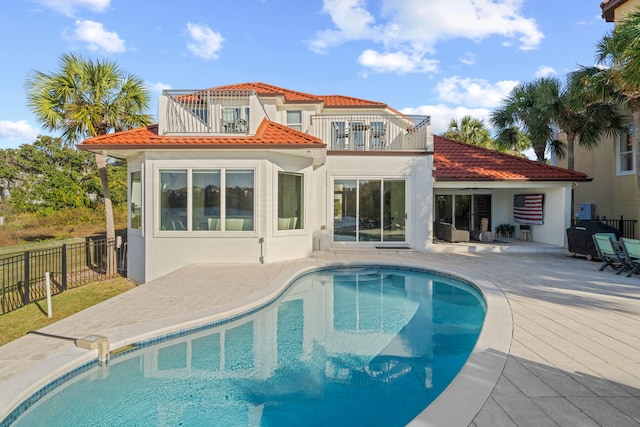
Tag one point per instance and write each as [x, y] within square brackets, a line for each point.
[373, 132]
[208, 111]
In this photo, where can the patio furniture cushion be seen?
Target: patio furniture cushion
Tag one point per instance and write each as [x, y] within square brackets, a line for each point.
[451, 234]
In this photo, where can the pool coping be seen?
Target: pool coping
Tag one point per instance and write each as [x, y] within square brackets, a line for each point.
[468, 391]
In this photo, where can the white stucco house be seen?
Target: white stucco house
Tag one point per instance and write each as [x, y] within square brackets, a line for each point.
[251, 172]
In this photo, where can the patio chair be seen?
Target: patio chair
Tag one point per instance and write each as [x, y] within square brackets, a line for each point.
[610, 252]
[631, 250]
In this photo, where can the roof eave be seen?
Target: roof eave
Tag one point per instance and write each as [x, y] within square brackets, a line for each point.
[482, 179]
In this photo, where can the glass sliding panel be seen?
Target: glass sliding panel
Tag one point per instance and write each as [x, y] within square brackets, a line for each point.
[173, 200]
[135, 201]
[462, 211]
[356, 134]
[339, 135]
[205, 200]
[378, 132]
[481, 209]
[370, 218]
[444, 208]
[345, 204]
[290, 201]
[394, 211]
[239, 200]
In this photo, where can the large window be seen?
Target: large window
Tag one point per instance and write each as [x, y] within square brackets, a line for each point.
[294, 119]
[205, 196]
[624, 151]
[465, 211]
[215, 200]
[369, 210]
[290, 201]
[239, 200]
[135, 201]
[173, 199]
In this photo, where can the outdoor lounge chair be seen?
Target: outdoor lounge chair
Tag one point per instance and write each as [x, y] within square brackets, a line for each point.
[631, 250]
[610, 252]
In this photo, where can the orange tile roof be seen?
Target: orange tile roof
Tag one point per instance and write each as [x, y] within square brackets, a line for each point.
[266, 89]
[457, 161]
[347, 101]
[271, 134]
[295, 96]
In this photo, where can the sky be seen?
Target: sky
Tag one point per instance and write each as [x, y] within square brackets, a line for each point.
[442, 58]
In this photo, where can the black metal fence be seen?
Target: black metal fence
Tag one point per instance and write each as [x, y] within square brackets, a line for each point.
[23, 275]
[627, 227]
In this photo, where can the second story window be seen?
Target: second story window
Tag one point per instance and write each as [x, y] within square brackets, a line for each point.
[294, 119]
[624, 152]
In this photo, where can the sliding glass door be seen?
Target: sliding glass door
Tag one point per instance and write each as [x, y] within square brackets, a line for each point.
[369, 210]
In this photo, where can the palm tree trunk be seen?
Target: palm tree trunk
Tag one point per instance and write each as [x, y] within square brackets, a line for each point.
[101, 163]
[540, 150]
[570, 150]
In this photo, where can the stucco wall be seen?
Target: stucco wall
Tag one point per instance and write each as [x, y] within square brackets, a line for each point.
[164, 251]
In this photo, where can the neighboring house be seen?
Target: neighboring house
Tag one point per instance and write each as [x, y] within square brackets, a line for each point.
[613, 193]
[253, 173]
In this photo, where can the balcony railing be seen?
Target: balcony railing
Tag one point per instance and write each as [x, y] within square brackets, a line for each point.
[373, 132]
[206, 111]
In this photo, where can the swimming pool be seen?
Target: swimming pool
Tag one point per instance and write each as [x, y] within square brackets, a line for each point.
[342, 346]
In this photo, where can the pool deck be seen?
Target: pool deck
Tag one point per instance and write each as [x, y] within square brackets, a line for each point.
[571, 357]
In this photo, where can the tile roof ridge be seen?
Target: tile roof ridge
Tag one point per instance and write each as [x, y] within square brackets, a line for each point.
[269, 89]
[353, 98]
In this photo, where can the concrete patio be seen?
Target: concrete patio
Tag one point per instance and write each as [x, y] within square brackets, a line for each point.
[573, 358]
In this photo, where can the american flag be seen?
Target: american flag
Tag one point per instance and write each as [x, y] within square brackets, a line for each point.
[527, 208]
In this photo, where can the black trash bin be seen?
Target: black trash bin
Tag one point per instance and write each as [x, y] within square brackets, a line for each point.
[580, 240]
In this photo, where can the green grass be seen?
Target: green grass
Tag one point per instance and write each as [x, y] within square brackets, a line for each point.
[17, 323]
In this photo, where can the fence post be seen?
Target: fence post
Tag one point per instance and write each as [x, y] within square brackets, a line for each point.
[26, 298]
[621, 227]
[64, 267]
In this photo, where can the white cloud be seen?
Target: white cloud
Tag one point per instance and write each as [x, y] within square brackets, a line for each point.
[545, 71]
[69, 7]
[94, 35]
[19, 132]
[468, 58]
[442, 114]
[473, 92]
[398, 62]
[158, 87]
[352, 21]
[205, 43]
[414, 27]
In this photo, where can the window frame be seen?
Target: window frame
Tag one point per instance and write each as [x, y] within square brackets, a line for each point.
[295, 125]
[139, 229]
[191, 228]
[620, 139]
[301, 223]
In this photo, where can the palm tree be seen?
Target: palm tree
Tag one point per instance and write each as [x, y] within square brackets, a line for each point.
[585, 116]
[618, 74]
[470, 131]
[530, 108]
[87, 98]
[544, 107]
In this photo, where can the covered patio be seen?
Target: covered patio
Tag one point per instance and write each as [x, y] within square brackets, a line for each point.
[473, 185]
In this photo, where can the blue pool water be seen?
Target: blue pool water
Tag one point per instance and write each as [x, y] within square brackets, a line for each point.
[341, 347]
